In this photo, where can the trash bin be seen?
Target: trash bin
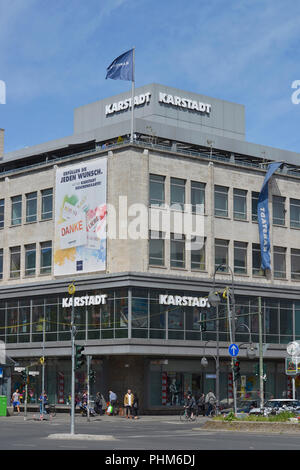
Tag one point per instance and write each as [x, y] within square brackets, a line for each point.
[3, 405]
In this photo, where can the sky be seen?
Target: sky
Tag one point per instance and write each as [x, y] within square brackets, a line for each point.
[54, 56]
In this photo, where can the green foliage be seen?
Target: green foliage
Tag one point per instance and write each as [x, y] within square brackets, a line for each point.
[230, 416]
[281, 417]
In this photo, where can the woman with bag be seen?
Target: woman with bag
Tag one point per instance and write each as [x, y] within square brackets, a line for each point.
[128, 403]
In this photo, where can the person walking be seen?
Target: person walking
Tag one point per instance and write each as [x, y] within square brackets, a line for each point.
[16, 400]
[190, 405]
[43, 402]
[112, 401]
[201, 405]
[135, 406]
[128, 403]
[210, 401]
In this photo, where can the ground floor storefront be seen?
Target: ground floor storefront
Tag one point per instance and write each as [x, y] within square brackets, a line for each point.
[147, 333]
[160, 383]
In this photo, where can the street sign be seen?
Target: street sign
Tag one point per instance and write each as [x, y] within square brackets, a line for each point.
[292, 365]
[233, 350]
[33, 372]
[19, 369]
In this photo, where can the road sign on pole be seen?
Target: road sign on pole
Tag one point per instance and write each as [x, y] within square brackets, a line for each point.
[233, 350]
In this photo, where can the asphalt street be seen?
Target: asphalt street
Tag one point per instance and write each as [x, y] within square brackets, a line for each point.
[147, 433]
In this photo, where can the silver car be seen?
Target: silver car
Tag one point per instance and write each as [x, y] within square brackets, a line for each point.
[276, 406]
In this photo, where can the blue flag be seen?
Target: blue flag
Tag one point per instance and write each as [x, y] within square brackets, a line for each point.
[263, 217]
[122, 67]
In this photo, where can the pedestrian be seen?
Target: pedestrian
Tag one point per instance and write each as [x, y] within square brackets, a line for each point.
[135, 406]
[128, 403]
[201, 404]
[210, 401]
[16, 400]
[43, 402]
[190, 404]
[112, 400]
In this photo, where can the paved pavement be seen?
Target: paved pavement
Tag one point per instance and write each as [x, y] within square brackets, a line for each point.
[147, 433]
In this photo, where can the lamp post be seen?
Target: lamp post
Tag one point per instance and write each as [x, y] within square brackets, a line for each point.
[204, 363]
[71, 291]
[214, 299]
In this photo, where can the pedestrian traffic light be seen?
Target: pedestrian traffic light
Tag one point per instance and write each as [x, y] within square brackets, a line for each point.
[24, 376]
[203, 322]
[92, 376]
[79, 357]
[236, 370]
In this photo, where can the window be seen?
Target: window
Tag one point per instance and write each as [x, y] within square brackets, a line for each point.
[1, 213]
[221, 254]
[47, 204]
[198, 253]
[221, 201]
[254, 202]
[295, 263]
[30, 259]
[46, 258]
[240, 257]
[177, 251]
[278, 210]
[16, 210]
[31, 207]
[240, 204]
[15, 261]
[279, 262]
[295, 213]
[1, 263]
[256, 260]
[198, 197]
[157, 190]
[156, 249]
[178, 192]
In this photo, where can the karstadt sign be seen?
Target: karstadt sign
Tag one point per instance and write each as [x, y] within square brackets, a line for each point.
[163, 98]
[184, 301]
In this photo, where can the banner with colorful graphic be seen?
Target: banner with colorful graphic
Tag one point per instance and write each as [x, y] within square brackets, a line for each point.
[80, 218]
[263, 217]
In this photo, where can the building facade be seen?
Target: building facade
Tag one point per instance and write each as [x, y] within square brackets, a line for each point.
[179, 210]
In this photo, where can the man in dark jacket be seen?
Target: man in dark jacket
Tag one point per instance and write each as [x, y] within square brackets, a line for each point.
[190, 405]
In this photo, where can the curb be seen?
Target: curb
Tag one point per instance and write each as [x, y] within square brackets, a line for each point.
[82, 437]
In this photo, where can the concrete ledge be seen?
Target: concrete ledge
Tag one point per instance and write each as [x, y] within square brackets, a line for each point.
[82, 437]
[248, 426]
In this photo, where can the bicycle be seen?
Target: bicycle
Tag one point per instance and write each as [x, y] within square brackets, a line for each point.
[214, 411]
[186, 415]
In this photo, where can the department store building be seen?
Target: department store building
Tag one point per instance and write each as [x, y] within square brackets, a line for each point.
[141, 307]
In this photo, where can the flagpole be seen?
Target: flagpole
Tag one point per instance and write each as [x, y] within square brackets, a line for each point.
[132, 93]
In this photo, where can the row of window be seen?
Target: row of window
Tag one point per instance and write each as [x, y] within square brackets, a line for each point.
[197, 247]
[31, 207]
[30, 260]
[240, 210]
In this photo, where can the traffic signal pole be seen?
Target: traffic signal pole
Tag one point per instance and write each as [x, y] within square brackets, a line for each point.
[232, 360]
[88, 387]
[261, 365]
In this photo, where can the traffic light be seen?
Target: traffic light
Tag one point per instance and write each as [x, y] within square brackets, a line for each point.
[79, 357]
[203, 321]
[24, 376]
[236, 370]
[92, 376]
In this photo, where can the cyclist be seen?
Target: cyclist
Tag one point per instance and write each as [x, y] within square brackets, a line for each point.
[190, 405]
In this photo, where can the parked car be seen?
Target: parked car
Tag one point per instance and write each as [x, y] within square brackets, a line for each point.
[276, 406]
[243, 406]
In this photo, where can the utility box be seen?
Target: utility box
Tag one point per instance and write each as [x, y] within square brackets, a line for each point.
[3, 405]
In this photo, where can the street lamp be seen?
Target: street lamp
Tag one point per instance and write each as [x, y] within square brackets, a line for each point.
[214, 299]
[204, 363]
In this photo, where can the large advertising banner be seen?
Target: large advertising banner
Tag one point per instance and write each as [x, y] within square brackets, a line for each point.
[80, 218]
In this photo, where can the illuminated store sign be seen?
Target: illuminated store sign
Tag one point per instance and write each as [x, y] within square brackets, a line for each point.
[84, 300]
[183, 301]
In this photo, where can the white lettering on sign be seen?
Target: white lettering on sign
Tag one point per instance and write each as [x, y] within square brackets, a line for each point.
[184, 103]
[183, 301]
[126, 104]
[84, 300]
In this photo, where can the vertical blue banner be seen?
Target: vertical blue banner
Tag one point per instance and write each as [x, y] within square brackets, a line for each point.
[263, 217]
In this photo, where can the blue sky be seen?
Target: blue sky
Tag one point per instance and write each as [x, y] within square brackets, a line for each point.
[54, 56]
